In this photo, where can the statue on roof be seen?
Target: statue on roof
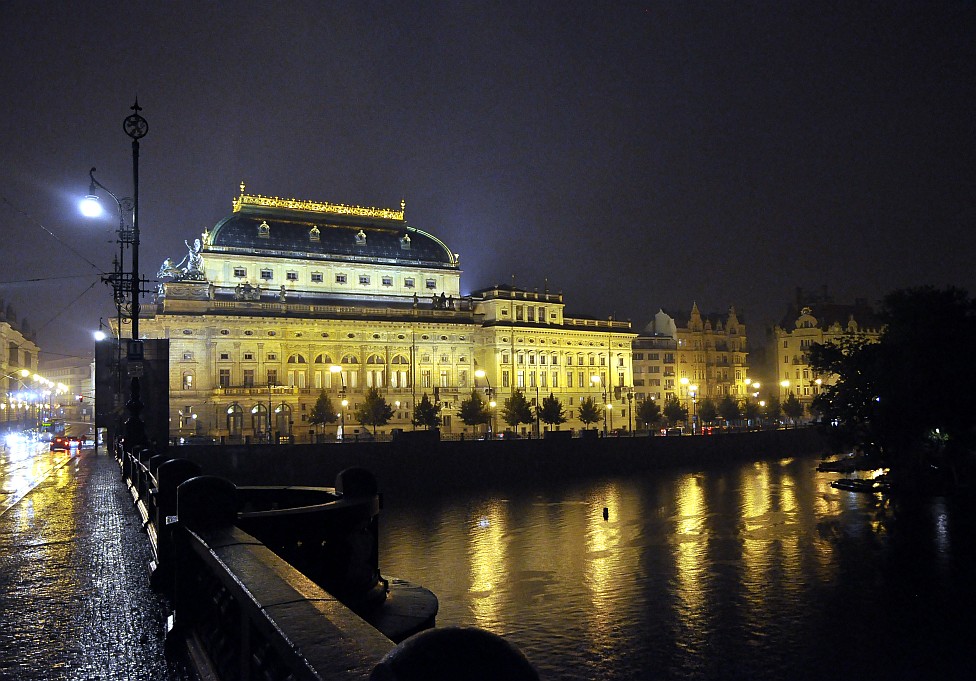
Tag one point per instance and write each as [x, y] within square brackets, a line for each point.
[194, 261]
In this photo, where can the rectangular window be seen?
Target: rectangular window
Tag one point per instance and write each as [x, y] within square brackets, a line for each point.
[519, 313]
[272, 377]
[520, 379]
[542, 359]
[272, 357]
[531, 379]
[555, 379]
[425, 378]
[387, 281]
[444, 378]
[187, 356]
[223, 378]
[225, 355]
[316, 277]
[249, 378]
[531, 359]
[505, 358]
[340, 279]
[240, 272]
[266, 274]
[542, 379]
[291, 276]
[364, 280]
[569, 379]
[248, 356]
[505, 379]
[542, 314]
[431, 283]
[530, 313]
[409, 282]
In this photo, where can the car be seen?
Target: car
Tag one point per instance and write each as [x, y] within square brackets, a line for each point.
[60, 443]
[74, 442]
[198, 440]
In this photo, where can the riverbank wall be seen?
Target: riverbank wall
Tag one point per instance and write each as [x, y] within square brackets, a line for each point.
[422, 465]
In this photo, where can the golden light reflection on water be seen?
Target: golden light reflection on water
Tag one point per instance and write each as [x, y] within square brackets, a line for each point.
[689, 549]
[603, 567]
[486, 548]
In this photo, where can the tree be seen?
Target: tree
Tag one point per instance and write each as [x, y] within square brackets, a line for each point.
[517, 410]
[649, 413]
[728, 409]
[473, 410]
[323, 413]
[793, 408]
[750, 410]
[426, 413]
[773, 408]
[589, 412]
[673, 411]
[374, 411]
[552, 413]
[707, 411]
[907, 398]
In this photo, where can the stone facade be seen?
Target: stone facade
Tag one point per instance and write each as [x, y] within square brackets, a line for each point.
[281, 291]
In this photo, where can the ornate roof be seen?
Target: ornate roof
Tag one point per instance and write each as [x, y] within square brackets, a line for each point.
[310, 230]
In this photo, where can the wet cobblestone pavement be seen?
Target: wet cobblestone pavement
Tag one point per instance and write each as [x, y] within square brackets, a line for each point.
[75, 601]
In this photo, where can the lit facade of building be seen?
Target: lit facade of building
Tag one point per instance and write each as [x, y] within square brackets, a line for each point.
[284, 298]
[18, 353]
[708, 359]
[821, 321]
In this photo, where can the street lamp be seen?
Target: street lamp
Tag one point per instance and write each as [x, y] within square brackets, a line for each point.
[136, 127]
[480, 373]
[595, 380]
[336, 369]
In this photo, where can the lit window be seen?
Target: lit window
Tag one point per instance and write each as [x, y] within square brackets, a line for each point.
[240, 272]
[387, 281]
[431, 283]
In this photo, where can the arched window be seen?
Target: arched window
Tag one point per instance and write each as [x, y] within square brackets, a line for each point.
[282, 419]
[235, 421]
[259, 419]
[324, 358]
[374, 371]
[297, 377]
[400, 374]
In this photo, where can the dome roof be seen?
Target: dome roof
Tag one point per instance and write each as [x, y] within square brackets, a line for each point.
[305, 229]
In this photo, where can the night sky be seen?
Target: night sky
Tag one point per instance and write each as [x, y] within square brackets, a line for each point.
[637, 155]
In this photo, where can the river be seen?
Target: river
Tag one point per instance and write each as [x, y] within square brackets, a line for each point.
[746, 571]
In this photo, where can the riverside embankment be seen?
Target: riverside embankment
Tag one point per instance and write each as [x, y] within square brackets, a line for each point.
[418, 464]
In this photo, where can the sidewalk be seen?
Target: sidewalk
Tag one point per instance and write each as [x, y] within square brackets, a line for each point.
[75, 601]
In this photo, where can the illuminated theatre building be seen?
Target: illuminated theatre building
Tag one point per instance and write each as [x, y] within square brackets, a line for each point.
[284, 298]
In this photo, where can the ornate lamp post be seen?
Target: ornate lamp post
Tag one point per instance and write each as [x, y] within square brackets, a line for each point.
[595, 380]
[336, 369]
[135, 127]
[480, 373]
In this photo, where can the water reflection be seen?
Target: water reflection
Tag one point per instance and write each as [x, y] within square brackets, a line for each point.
[750, 571]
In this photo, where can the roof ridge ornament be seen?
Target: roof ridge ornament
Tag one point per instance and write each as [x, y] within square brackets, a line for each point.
[316, 206]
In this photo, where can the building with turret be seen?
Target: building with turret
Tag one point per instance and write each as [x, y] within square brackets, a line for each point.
[816, 319]
[284, 298]
[692, 357]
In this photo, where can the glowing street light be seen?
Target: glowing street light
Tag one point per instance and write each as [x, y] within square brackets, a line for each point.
[598, 384]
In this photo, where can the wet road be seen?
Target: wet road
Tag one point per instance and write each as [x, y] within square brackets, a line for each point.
[74, 596]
